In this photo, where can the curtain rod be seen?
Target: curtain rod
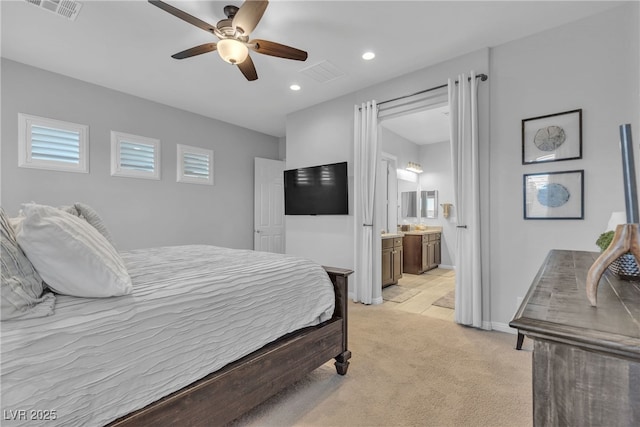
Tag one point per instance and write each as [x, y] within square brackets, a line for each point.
[482, 77]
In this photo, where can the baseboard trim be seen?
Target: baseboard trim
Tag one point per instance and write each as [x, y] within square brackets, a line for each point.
[446, 267]
[503, 327]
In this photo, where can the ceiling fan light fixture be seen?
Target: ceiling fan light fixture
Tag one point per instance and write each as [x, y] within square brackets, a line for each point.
[233, 32]
[232, 51]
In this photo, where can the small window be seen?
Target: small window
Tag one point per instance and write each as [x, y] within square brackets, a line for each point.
[195, 165]
[135, 156]
[52, 144]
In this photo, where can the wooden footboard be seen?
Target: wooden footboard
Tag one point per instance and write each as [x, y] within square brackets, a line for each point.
[226, 394]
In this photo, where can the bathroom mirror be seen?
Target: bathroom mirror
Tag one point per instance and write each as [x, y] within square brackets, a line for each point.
[429, 204]
[408, 204]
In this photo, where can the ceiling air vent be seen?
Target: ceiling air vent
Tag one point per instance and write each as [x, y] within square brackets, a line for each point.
[322, 72]
[66, 8]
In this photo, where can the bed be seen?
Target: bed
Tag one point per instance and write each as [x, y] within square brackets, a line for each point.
[202, 338]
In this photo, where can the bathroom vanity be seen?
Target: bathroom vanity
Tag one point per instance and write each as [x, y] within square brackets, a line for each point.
[421, 250]
[392, 256]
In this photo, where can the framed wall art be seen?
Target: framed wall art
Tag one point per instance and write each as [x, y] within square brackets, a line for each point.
[554, 195]
[552, 137]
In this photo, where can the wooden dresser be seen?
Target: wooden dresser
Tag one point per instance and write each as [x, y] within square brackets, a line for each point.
[586, 360]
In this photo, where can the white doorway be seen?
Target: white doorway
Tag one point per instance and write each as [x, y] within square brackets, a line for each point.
[268, 219]
[387, 193]
[465, 155]
[421, 136]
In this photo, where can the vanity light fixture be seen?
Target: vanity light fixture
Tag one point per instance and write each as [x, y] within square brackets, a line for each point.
[414, 167]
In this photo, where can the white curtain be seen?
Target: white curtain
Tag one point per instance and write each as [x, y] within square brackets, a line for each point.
[463, 104]
[367, 276]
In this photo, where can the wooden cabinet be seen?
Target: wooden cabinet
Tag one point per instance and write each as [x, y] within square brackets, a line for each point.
[586, 360]
[392, 255]
[421, 252]
[435, 242]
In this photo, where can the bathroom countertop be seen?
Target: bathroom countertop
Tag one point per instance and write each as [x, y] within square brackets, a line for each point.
[421, 232]
[430, 230]
[391, 235]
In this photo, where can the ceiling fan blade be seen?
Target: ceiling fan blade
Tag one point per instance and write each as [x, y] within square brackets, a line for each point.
[198, 50]
[248, 69]
[183, 15]
[249, 15]
[266, 47]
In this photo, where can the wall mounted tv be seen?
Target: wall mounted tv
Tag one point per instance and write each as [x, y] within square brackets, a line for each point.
[317, 190]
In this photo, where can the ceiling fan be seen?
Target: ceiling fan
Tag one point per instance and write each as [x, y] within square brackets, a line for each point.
[233, 32]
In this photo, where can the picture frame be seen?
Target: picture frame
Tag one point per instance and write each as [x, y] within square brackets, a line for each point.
[554, 195]
[552, 138]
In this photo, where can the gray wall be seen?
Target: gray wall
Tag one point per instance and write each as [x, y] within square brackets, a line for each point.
[139, 212]
[324, 133]
[591, 64]
[315, 136]
[405, 150]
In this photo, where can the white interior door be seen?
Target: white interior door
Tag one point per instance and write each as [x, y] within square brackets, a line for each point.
[268, 230]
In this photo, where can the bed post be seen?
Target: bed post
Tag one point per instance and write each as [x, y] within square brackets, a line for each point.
[339, 278]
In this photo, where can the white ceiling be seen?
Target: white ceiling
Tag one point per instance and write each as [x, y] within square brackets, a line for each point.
[127, 46]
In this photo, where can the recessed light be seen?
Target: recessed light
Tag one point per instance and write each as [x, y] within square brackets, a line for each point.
[294, 87]
[367, 56]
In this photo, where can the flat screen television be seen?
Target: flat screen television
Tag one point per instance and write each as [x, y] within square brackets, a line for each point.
[317, 190]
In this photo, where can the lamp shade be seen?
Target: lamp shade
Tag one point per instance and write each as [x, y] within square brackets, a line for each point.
[232, 51]
[616, 219]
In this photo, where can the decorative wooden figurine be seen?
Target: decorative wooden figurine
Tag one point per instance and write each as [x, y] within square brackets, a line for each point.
[627, 236]
[626, 239]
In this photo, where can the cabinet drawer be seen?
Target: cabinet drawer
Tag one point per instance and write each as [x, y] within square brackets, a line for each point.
[397, 242]
[434, 236]
[387, 243]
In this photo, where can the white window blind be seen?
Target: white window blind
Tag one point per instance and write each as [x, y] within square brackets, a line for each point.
[195, 165]
[55, 144]
[137, 156]
[52, 144]
[134, 156]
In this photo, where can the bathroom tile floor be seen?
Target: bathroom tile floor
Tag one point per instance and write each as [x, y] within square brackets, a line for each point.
[432, 285]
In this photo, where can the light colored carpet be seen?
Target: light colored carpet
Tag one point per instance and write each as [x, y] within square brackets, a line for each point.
[410, 370]
[447, 301]
[397, 293]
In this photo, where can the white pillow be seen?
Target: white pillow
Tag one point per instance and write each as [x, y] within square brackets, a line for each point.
[70, 255]
[22, 295]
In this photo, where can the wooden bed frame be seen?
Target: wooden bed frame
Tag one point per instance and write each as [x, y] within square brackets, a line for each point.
[226, 394]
